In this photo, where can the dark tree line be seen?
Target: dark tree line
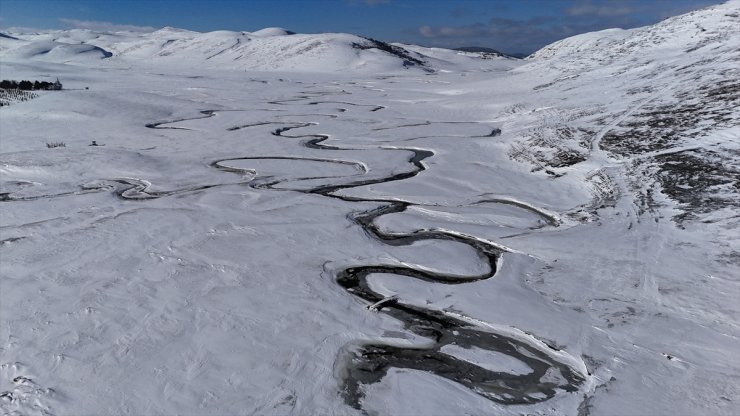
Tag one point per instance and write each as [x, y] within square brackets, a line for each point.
[26, 85]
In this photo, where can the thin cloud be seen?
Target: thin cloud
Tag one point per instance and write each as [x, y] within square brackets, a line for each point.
[460, 12]
[528, 35]
[369, 2]
[525, 35]
[20, 29]
[494, 28]
[587, 8]
[681, 9]
[467, 31]
[104, 26]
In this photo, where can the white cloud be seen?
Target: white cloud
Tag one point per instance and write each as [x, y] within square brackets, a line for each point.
[105, 26]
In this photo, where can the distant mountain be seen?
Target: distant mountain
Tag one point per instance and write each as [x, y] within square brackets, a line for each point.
[263, 50]
[273, 31]
[49, 49]
[486, 51]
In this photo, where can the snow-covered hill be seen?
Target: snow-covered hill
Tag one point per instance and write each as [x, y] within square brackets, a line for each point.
[266, 49]
[340, 233]
[681, 77]
[704, 28]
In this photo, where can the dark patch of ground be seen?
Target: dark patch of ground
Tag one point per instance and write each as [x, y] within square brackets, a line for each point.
[693, 177]
[693, 113]
[701, 178]
[408, 59]
[556, 146]
[9, 96]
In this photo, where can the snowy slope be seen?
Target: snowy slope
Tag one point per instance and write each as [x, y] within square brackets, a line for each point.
[681, 77]
[549, 236]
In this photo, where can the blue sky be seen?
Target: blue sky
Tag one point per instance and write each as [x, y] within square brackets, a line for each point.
[507, 25]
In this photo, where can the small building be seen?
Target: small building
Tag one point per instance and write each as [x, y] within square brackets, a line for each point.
[56, 86]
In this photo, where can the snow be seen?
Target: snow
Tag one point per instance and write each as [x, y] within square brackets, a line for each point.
[273, 31]
[189, 263]
[268, 49]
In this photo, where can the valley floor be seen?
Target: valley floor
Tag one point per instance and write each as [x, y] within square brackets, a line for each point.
[217, 252]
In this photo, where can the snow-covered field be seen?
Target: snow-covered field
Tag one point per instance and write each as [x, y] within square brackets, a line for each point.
[320, 224]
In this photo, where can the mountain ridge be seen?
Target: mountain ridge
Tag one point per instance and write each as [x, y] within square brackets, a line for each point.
[265, 49]
[275, 48]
